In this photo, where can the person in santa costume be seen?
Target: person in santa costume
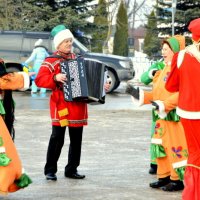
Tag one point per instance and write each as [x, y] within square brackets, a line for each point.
[12, 176]
[168, 141]
[73, 115]
[184, 77]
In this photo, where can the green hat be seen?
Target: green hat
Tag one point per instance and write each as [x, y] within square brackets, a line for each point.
[60, 33]
[174, 44]
[57, 29]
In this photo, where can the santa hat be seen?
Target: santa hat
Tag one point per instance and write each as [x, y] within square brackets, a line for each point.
[60, 33]
[38, 42]
[194, 28]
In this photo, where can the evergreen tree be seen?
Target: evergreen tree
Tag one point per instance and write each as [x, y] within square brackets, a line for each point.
[151, 41]
[10, 15]
[164, 18]
[38, 15]
[185, 12]
[120, 46]
[101, 26]
[80, 6]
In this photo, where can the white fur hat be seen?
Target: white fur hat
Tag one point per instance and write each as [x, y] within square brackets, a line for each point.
[61, 33]
[38, 42]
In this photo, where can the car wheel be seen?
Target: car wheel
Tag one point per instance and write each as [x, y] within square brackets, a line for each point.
[112, 80]
[117, 85]
[13, 67]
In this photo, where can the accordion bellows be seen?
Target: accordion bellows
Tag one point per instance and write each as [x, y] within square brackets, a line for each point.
[85, 80]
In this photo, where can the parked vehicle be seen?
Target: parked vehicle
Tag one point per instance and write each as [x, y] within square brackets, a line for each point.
[16, 46]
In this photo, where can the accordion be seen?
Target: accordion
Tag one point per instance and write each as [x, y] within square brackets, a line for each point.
[85, 80]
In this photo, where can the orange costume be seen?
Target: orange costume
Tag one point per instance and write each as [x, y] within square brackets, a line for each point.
[12, 177]
[169, 144]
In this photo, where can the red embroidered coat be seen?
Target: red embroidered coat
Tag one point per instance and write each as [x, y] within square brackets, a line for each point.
[63, 113]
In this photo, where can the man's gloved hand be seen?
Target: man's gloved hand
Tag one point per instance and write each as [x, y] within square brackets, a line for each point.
[155, 105]
[135, 92]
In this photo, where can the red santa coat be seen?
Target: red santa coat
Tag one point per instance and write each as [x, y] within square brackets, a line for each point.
[185, 78]
[63, 113]
[185, 81]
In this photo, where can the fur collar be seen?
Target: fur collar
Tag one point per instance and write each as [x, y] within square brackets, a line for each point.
[194, 50]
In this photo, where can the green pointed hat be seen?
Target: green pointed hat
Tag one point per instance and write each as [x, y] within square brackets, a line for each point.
[174, 44]
[60, 33]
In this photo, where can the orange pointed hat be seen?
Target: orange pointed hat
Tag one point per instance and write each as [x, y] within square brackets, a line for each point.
[176, 43]
[181, 41]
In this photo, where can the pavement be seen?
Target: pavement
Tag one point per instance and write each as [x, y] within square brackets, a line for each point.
[115, 154]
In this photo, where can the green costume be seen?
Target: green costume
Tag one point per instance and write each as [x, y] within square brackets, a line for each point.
[147, 78]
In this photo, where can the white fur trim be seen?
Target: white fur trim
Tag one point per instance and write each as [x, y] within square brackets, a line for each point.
[188, 114]
[180, 58]
[161, 112]
[139, 102]
[2, 150]
[156, 141]
[26, 81]
[150, 74]
[62, 35]
[193, 49]
[38, 42]
[179, 164]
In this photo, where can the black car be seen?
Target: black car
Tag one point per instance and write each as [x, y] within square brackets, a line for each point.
[16, 46]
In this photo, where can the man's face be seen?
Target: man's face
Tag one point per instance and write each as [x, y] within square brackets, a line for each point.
[65, 46]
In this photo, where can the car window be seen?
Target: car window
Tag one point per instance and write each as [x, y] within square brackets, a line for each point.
[28, 45]
[10, 42]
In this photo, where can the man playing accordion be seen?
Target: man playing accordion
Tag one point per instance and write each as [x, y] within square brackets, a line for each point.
[73, 114]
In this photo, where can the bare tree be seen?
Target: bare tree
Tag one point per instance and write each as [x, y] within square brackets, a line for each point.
[112, 7]
[136, 11]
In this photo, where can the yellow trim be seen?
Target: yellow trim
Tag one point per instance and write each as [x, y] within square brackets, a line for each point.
[3, 193]
[64, 122]
[190, 165]
[63, 112]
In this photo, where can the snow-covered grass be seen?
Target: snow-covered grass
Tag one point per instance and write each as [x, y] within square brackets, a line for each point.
[141, 64]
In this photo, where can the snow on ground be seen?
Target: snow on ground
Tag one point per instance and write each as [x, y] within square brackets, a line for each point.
[141, 64]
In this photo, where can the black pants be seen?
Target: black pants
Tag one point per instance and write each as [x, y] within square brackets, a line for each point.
[55, 146]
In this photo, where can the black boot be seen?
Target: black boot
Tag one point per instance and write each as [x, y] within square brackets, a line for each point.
[173, 186]
[153, 169]
[160, 183]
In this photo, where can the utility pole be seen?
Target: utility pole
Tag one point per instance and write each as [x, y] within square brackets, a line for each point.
[173, 14]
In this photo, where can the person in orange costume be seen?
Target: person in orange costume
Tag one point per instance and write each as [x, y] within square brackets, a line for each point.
[169, 144]
[12, 177]
[184, 77]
